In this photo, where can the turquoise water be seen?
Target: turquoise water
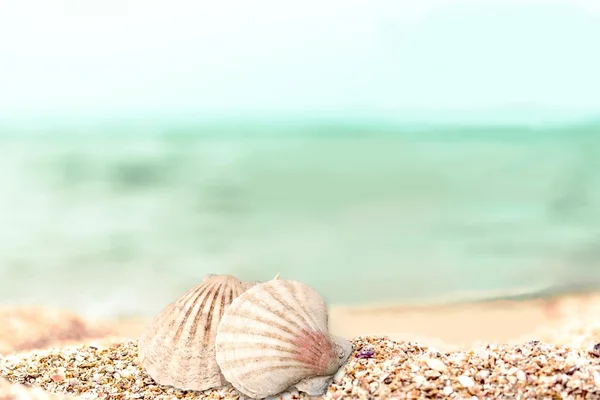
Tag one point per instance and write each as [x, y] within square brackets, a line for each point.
[120, 224]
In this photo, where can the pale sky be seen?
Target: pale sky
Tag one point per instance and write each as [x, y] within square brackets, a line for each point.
[380, 57]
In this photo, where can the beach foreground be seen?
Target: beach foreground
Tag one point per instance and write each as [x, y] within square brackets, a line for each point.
[379, 368]
[49, 354]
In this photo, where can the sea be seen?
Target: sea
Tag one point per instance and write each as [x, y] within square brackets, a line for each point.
[119, 220]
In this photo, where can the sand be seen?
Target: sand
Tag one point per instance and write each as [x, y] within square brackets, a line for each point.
[378, 368]
[460, 326]
[444, 351]
[23, 328]
[10, 391]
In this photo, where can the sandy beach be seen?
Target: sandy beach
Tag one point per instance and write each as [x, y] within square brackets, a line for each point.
[502, 349]
[460, 326]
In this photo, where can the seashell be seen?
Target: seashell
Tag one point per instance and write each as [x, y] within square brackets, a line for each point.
[318, 385]
[177, 347]
[275, 336]
[248, 285]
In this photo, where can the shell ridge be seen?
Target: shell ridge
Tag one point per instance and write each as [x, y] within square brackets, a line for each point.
[317, 348]
[195, 305]
[189, 297]
[295, 304]
[256, 372]
[178, 347]
[209, 327]
[225, 302]
[199, 309]
[271, 310]
[319, 337]
[322, 326]
[186, 304]
[308, 318]
[316, 337]
[268, 324]
[280, 362]
[265, 346]
[317, 327]
[297, 313]
[274, 336]
[148, 336]
[230, 296]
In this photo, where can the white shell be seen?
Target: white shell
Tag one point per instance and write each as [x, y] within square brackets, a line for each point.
[314, 386]
[318, 385]
[177, 347]
[274, 336]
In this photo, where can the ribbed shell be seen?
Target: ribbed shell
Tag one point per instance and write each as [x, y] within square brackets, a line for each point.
[317, 386]
[177, 347]
[273, 336]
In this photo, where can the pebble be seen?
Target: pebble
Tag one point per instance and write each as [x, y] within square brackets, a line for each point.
[435, 364]
[466, 381]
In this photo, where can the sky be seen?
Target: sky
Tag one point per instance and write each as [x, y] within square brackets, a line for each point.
[384, 58]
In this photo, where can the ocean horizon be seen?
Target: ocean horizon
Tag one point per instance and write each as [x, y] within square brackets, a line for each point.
[121, 219]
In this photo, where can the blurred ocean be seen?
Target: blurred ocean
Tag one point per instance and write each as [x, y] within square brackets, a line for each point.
[122, 222]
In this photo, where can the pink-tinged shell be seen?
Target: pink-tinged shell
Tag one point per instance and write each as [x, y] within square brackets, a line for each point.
[273, 336]
[177, 347]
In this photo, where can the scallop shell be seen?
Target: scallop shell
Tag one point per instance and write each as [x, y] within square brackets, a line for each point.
[318, 385]
[177, 347]
[274, 336]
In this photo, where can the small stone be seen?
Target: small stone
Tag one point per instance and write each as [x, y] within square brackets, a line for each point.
[466, 381]
[58, 375]
[483, 374]
[436, 364]
[596, 377]
[74, 382]
[365, 353]
[432, 374]
[419, 380]
[595, 350]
